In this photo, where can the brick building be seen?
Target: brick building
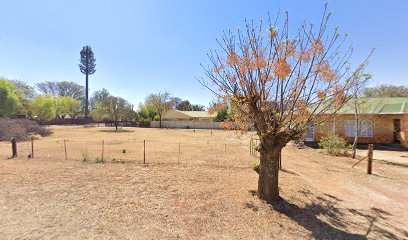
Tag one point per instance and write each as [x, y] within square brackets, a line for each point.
[383, 120]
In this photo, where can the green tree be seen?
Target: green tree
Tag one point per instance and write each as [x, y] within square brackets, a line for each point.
[87, 66]
[386, 91]
[26, 93]
[112, 108]
[62, 89]
[146, 113]
[222, 110]
[10, 102]
[43, 107]
[160, 102]
[98, 96]
[184, 105]
[197, 107]
[67, 106]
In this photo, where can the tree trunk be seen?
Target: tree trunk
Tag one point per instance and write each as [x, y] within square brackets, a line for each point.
[86, 96]
[356, 133]
[160, 120]
[354, 147]
[116, 126]
[268, 189]
[280, 159]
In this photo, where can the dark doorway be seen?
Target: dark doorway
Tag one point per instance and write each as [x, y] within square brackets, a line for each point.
[397, 131]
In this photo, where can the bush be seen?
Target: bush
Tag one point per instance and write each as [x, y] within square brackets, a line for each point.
[99, 160]
[334, 145]
[20, 129]
[255, 166]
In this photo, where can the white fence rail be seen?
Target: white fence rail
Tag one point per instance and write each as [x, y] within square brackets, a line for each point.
[185, 124]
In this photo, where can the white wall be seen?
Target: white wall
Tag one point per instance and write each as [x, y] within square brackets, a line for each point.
[185, 124]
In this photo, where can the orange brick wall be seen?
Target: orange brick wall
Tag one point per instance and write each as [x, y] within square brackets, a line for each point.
[383, 128]
[404, 130]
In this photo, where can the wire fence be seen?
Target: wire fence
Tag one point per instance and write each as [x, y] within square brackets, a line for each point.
[253, 144]
[134, 151]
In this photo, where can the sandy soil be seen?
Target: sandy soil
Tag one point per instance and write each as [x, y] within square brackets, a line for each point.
[397, 157]
[208, 191]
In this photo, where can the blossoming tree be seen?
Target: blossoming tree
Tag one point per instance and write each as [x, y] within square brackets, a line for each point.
[279, 84]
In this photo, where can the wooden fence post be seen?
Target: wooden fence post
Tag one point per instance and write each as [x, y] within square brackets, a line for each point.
[65, 149]
[32, 147]
[144, 151]
[370, 158]
[14, 147]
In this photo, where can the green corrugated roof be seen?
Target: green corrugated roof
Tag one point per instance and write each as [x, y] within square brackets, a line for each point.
[389, 105]
[197, 114]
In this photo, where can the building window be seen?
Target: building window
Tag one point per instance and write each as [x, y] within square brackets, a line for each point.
[366, 128]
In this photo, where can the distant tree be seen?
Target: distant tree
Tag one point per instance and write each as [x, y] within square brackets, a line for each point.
[197, 107]
[184, 106]
[187, 106]
[43, 107]
[280, 83]
[160, 102]
[48, 87]
[27, 91]
[62, 89]
[176, 101]
[386, 91]
[67, 106]
[10, 102]
[221, 109]
[146, 112]
[130, 114]
[98, 96]
[111, 108]
[87, 66]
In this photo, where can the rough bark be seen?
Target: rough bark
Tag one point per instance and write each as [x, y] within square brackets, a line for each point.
[86, 96]
[268, 187]
[354, 147]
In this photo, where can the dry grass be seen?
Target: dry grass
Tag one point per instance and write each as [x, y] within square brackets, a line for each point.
[206, 192]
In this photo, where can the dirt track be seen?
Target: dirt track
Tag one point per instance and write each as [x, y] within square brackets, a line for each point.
[209, 194]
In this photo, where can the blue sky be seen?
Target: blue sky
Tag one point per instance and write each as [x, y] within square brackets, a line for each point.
[146, 46]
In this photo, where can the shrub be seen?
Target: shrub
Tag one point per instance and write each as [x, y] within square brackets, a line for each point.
[20, 129]
[255, 166]
[334, 145]
[85, 154]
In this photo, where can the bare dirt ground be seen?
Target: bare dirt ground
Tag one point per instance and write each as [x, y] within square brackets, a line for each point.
[397, 157]
[208, 191]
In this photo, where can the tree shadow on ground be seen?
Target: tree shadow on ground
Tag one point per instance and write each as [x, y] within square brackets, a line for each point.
[115, 131]
[289, 171]
[325, 220]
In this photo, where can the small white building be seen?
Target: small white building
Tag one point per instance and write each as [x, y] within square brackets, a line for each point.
[192, 116]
